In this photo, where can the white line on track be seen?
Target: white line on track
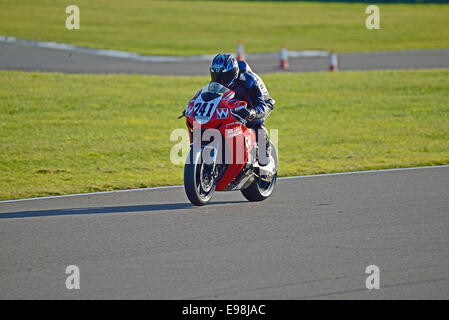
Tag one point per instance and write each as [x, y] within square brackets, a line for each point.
[146, 58]
[180, 186]
[365, 171]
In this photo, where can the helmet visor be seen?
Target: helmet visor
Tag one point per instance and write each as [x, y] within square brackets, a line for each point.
[223, 78]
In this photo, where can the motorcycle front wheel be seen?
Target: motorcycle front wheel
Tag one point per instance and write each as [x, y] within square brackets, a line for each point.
[199, 180]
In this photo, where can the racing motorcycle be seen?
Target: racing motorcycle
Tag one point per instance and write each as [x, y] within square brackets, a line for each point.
[223, 151]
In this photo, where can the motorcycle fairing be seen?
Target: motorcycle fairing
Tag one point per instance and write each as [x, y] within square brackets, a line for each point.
[207, 109]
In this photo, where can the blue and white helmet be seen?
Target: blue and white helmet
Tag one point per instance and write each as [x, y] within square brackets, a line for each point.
[224, 69]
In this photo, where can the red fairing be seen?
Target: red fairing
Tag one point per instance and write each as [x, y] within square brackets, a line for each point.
[189, 109]
[217, 114]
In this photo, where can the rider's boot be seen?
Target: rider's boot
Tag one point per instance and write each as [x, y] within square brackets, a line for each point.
[263, 159]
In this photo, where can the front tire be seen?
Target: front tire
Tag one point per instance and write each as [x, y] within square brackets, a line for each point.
[198, 187]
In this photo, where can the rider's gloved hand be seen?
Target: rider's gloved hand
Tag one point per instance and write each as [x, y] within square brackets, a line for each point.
[245, 113]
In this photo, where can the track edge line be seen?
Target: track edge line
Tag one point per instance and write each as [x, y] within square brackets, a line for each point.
[180, 186]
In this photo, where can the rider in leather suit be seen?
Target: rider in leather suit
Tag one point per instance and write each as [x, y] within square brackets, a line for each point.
[249, 87]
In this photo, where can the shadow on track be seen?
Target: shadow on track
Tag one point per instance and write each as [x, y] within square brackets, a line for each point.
[102, 210]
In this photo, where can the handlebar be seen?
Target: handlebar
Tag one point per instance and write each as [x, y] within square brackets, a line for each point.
[238, 118]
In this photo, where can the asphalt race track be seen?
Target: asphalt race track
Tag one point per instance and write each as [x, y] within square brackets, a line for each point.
[312, 239]
[16, 56]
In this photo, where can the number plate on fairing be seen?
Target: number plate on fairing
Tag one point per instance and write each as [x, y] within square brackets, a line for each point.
[205, 110]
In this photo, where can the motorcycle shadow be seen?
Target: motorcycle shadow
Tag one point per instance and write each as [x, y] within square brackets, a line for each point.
[116, 209]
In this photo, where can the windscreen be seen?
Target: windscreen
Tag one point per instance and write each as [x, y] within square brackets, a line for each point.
[215, 87]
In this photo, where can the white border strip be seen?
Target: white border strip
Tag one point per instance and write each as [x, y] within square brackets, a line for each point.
[91, 193]
[180, 186]
[364, 171]
[143, 58]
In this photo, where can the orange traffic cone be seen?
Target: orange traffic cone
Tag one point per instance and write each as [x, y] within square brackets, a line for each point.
[333, 61]
[284, 58]
[240, 55]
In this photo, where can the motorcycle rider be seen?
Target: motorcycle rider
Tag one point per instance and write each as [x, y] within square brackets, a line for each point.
[248, 87]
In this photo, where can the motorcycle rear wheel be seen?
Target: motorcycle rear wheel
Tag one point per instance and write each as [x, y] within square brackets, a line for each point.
[260, 189]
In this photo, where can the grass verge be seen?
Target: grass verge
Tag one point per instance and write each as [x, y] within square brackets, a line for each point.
[67, 133]
[197, 27]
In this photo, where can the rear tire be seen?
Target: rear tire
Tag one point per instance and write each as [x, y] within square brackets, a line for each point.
[260, 189]
[198, 194]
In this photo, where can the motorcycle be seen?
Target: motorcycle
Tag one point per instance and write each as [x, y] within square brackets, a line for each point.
[228, 161]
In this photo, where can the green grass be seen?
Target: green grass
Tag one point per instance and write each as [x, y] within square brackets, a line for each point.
[195, 27]
[64, 133]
